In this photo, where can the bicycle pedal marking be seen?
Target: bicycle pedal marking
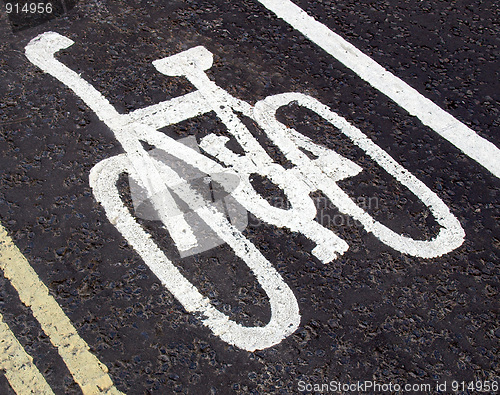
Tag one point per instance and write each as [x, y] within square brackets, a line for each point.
[158, 177]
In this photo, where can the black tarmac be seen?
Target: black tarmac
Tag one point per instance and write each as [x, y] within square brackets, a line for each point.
[373, 313]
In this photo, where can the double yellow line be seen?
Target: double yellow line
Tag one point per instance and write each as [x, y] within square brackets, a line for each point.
[24, 377]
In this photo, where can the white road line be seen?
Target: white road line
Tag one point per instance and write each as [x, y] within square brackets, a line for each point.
[89, 373]
[23, 376]
[431, 115]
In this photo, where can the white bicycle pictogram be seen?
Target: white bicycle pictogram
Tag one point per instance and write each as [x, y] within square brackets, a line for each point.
[307, 175]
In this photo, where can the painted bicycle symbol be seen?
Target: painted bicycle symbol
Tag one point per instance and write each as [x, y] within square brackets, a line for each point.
[307, 175]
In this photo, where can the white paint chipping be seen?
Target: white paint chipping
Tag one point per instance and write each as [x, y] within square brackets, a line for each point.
[431, 115]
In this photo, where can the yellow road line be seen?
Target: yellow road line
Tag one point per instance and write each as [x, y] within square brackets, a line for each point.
[23, 376]
[88, 372]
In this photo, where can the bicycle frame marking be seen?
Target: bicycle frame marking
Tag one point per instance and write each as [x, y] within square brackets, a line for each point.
[307, 176]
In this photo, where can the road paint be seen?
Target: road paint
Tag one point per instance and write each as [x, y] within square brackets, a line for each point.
[300, 217]
[40, 51]
[215, 188]
[88, 372]
[465, 139]
[22, 374]
[450, 236]
[285, 316]
[308, 175]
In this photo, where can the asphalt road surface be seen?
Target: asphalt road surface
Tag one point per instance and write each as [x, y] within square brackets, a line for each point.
[305, 199]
